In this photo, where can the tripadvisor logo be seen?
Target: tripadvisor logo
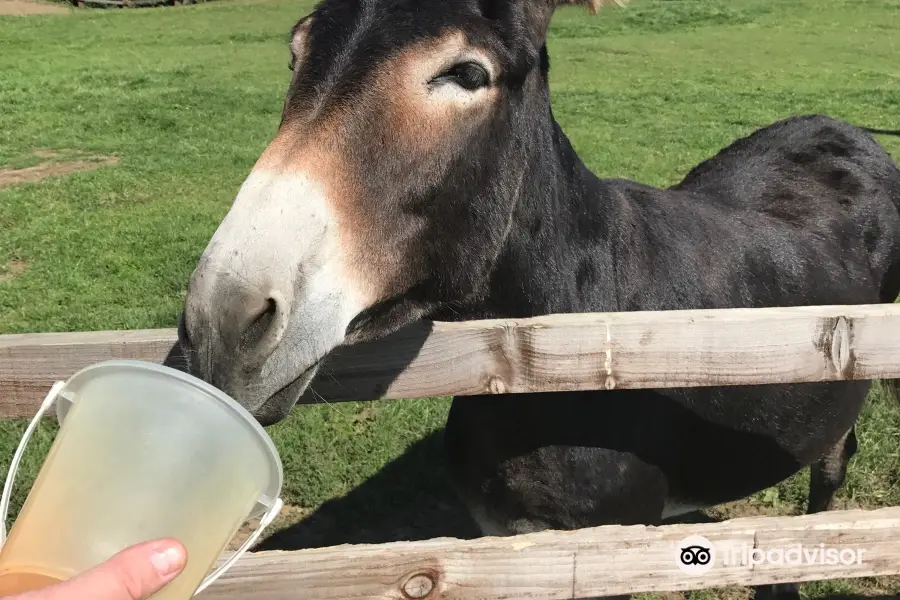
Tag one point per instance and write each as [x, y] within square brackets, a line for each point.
[696, 555]
[795, 554]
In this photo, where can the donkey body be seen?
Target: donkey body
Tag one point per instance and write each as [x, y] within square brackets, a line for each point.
[800, 213]
[418, 172]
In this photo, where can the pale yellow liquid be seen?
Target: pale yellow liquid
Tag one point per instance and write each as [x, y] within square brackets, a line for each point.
[102, 489]
[13, 582]
[207, 541]
[204, 538]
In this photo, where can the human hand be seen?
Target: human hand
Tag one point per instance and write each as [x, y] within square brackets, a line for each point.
[136, 573]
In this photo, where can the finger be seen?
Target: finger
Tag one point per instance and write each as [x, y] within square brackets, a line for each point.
[136, 573]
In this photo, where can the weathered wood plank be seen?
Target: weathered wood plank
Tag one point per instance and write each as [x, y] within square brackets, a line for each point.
[579, 564]
[556, 352]
[30, 363]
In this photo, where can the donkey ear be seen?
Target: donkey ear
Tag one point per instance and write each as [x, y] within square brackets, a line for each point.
[539, 12]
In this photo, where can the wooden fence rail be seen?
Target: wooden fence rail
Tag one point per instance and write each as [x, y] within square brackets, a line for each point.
[556, 352]
[554, 565]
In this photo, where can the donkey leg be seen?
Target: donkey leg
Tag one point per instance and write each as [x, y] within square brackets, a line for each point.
[826, 476]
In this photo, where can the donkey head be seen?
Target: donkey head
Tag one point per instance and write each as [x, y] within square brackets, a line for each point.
[386, 193]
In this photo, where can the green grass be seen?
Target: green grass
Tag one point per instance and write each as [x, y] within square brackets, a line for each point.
[188, 97]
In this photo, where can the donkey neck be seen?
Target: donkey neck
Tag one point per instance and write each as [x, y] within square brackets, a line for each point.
[556, 257]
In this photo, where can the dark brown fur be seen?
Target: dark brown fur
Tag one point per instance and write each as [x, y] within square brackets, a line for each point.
[483, 209]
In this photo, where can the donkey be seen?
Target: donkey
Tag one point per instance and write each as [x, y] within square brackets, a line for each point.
[418, 172]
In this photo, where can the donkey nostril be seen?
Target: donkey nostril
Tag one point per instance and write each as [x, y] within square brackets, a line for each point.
[255, 333]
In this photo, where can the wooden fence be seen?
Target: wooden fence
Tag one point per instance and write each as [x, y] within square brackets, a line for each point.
[557, 352]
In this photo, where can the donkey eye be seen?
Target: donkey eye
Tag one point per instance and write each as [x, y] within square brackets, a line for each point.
[467, 75]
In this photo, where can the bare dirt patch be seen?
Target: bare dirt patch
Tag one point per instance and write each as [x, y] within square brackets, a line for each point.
[43, 153]
[745, 508]
[12, 269]
[27, 7]
[288, 516]
[53, 168]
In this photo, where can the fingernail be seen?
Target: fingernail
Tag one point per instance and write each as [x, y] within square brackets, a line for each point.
[167, 562]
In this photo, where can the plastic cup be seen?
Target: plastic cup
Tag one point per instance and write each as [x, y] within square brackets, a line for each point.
[143, 452]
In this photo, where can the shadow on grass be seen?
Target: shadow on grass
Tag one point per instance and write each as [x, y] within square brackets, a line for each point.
[410, 499]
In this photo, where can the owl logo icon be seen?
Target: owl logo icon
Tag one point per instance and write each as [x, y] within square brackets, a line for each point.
[695, 555]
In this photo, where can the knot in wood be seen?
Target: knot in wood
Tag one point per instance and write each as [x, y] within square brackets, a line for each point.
[497, 386]
[418, 586]
[841, 352]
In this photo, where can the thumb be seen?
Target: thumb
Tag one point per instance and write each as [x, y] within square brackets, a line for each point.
[136, 573]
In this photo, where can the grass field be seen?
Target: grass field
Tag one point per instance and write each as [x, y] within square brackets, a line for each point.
[148, 120]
